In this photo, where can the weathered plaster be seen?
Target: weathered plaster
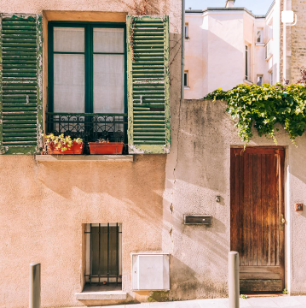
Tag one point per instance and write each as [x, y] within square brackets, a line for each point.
[45, 204]
[198, 169]
[43, 207]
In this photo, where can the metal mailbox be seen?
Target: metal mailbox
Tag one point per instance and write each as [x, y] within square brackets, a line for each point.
[197, 220]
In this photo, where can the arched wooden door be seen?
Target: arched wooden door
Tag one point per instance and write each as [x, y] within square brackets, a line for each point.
[257, 217]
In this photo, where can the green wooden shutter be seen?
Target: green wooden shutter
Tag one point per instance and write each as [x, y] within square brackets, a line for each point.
[20, 84]
[148, 84]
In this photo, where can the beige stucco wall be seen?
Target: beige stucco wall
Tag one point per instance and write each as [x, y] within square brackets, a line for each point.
[199, 171]
[43, 205]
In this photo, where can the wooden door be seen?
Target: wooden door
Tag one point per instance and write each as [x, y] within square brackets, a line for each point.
[257, 209]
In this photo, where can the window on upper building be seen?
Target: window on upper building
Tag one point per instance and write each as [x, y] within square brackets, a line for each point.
[259, 36]
[271, 78]
[270, 30]
[259, 80]
[247, 62]
[186, 31]
[186, 84]
[103, 242]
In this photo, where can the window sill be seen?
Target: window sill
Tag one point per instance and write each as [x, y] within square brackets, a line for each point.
[186, 88]
[107, 295]
[269, 57]
[56, 158]
[260, 44]
[247, 81]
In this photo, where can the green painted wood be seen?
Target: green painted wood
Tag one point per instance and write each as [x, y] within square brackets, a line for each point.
[148, 84]
[21, 84]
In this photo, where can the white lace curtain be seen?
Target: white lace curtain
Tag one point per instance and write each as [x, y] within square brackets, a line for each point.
[69, 70]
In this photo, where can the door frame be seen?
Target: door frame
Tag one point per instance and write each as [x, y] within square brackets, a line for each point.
[282, 191]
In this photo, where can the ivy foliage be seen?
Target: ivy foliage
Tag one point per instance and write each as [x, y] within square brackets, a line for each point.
[264, 106]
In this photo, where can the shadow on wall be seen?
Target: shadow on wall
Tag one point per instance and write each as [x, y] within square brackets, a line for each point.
[200, 174]
[186, 285]
[200, 161]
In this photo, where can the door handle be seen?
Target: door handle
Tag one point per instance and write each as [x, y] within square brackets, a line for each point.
[282, 222]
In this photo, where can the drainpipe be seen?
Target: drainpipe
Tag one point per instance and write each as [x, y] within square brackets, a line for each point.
[182, 48]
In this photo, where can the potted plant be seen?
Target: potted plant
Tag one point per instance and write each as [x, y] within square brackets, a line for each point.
[105, 147]
[63, 145]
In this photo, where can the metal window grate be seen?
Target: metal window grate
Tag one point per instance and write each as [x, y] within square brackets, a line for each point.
[89, 126]
[103, 249]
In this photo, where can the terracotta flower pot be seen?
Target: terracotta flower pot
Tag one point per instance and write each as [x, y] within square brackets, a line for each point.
[76, 149]
[110, 148]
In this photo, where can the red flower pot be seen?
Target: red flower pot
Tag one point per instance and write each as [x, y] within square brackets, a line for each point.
[109, 148]
[76, 149]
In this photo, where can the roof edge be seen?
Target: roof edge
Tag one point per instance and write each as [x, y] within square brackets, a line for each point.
[231, 9]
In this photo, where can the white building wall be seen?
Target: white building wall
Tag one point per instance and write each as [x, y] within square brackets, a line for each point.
[215, 50]
[196, 56]
[225, 50]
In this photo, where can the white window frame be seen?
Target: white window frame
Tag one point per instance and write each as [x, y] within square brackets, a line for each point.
[271, 78]
[247, 54]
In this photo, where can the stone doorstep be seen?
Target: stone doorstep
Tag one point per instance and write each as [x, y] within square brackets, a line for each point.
[107, 295]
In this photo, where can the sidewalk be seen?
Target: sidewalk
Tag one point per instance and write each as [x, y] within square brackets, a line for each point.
[253, 302]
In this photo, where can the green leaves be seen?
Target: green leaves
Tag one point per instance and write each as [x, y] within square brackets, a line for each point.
[264, 107]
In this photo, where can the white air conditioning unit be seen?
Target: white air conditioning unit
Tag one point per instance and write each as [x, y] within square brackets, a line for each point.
[150, 271]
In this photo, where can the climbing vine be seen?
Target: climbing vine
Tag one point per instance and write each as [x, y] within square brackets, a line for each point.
[264, 107]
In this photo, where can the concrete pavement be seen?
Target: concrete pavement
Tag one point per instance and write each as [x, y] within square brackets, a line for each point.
[253, 302]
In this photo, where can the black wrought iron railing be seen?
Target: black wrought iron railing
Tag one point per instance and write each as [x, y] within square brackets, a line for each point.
[89, 126]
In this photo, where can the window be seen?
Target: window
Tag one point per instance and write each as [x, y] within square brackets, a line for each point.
[259, 80]
[271, 78]
[247, 62]
[186, 31]
[259, 36]
[87, 68]
[87, 75]
[186, 79]
[87, 83]
[103, 254]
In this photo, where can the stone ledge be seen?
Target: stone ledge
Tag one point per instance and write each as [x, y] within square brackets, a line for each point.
[56, 158]
[108, 295]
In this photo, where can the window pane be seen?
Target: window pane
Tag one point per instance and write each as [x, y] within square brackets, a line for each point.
[108, 83]
[69, 39]
[259, 80]
[69, 83]
[108, 40]
[259, 36]
[108, 251]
